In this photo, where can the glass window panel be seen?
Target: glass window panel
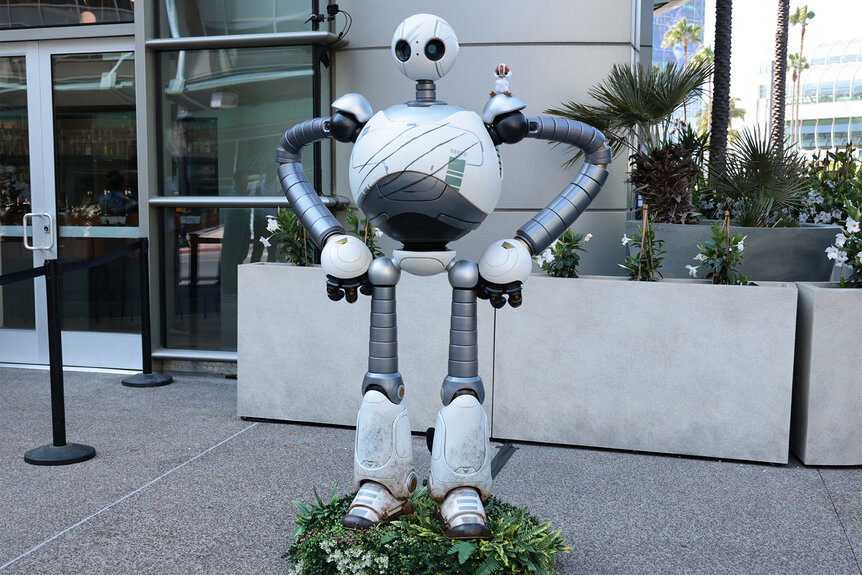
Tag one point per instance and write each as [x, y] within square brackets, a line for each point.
[185, 18]
[203, 247]
[840, 132]
[856, 91]
[824, 133]
[807, 132]
[856, 131]
[41, 13]
[17, 309]
[96, 177]
[223, 113]
[820, 54]
[844, 83]
[809, 92]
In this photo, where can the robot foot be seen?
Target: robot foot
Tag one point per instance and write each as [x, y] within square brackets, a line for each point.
[374, 504]
[463, 515]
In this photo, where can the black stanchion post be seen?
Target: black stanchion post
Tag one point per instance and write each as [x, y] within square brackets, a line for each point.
[147, 378]
[60, 453]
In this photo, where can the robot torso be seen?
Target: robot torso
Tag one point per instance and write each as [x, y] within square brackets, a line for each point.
[425, 175]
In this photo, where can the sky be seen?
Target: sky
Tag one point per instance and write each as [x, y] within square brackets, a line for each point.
[753, 38]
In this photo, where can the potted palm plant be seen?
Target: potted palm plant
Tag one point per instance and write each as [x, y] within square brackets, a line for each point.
[759, 183]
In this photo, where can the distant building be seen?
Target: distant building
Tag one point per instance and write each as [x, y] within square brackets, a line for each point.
[695, 13]
[830, 97]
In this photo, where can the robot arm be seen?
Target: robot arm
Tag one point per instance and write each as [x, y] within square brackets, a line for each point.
[345, 259]
[506, 264]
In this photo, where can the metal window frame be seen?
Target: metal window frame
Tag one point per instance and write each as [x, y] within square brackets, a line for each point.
[149, 49]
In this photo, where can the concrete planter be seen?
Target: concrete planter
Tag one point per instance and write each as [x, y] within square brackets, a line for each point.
[827, 394]
[678, 367]
[771, 254]
[301, 357]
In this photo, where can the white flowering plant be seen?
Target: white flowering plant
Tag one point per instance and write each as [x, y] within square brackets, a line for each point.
[847, 249]
[296, 247]
[720, 257]
[561, 259]
[644, 266]
[833, 179]
[415, 543]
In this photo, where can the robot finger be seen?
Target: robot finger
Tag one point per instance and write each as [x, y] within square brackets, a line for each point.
[497, 300]
[515, 296]
[333, 289]
[351, 295]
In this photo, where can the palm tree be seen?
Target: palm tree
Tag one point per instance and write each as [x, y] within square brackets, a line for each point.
[682, 33]
[795, 65]
[721, 92]
[734, 113]
[779, 75]
[705, 57]
[801, 17]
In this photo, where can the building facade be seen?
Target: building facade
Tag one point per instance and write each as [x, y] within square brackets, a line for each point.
[122, 119]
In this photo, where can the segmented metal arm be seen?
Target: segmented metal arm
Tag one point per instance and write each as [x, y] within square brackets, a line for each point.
[546, 226]
[317, 220]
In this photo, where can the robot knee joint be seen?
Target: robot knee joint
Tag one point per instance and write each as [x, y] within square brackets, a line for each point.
[383, 272]
[455, 386]
[389, 384]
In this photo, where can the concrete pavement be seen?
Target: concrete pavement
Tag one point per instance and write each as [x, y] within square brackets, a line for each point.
[181, 485]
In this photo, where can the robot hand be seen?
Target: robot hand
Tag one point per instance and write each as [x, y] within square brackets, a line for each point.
[345, 260]
[503, 267]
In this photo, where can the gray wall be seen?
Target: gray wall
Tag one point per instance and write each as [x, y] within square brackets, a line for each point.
[557, 50]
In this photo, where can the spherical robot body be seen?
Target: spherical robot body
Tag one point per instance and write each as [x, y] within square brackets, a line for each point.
[425, 175]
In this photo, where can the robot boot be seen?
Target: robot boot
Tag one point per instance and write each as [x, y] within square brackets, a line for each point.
[461, 468]
[382, 463]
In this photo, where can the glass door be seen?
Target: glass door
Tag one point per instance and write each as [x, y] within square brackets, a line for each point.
[73, 197]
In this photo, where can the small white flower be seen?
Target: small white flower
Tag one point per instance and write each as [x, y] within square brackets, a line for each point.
[831, 252]
[271, 224]
[852, 225]
[859, 256]
[265, 242]
[840, 239]
[588, 237]
[700, 257]
[692, 271]
[740, 246]
[377, 232]
[544, 257]
[626, 240]
[841, 259]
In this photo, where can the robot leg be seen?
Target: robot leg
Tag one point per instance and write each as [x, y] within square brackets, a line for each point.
[461, 455]
[383, 456]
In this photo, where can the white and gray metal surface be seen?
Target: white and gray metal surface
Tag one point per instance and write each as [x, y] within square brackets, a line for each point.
[181, 485]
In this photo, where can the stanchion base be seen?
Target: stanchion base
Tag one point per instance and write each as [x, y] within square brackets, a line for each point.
[59, 455]
[147, 380]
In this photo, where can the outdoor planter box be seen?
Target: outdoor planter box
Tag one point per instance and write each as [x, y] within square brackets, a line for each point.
[302, 357]
[681, 367]
[771, 254]
[827, 394]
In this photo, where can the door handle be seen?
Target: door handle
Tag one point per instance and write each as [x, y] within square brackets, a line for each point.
[48, 229]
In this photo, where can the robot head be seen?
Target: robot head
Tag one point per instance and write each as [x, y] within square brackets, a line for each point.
[424, 47]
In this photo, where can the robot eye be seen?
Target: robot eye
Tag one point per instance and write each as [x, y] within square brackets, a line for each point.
[402, 50]
[434, 49]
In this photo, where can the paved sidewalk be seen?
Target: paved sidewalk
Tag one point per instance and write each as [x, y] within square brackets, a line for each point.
[181, 485]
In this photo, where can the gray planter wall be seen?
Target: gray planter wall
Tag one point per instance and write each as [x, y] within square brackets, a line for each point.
[302, 357]
[770, 254]
[827, 393]
[597, 362]
[669, 367]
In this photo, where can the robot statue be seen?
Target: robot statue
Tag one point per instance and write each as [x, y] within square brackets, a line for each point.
[427, 173]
